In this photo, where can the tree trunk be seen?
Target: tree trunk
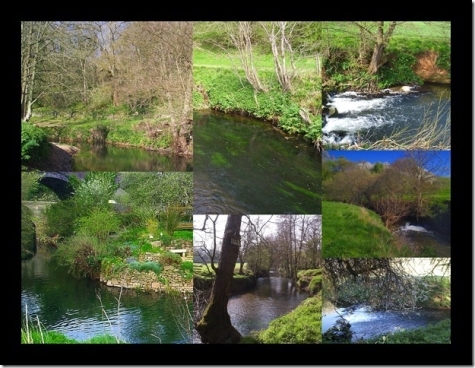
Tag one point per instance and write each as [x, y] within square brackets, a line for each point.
[215, 326]
[378, 52]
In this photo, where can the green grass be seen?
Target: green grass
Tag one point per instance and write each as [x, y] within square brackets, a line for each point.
[439, 333]
[219, 59]
[352, 231]
[301, 326]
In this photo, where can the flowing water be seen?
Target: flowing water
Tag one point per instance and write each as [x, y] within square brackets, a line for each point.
[112, 158]
[422, 236]
[362, 118]
[83, 308]
[242, 165]
[366, 323]
[254, 310]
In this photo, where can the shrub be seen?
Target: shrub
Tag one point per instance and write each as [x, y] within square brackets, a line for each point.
[81, 254]
[170, 258]
[34, 143]
[28, 234]
[99, 223]
[155, 267]
[170, 219]
[60, 218]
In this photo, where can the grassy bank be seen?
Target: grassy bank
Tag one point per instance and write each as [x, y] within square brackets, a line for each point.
[120, 129]
[303, 325]
[220, 84]
[351, 231]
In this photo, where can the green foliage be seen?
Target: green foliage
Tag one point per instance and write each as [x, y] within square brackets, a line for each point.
[315, 285]
[170, 219]
[399, 72]
[301, 326]
[171, 259]
[33, 190]
[61, 217]
[187, 269]
[99, 223]
[165, 239]
[34, 143]
[438, 333]
[229, 91]
[151, 193]
[155, 267]
[81, 254]
[112, 265]
[95, 190]
[28, 234]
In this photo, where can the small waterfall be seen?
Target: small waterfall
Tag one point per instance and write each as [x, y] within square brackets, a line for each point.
[409, 227]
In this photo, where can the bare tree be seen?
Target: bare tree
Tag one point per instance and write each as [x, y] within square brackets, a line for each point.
[158, 66]
[388, 196]
[215, 326]
[279, 34]
[241, 35]
[420, 169]
[35, 44]
[380, 39]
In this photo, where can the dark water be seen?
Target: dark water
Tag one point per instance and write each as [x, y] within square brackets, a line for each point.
[362, 118]
[71, 306]
[366, 323]
[422, 236]
[112, 158]
[253, 311]
[272, 298]
[242, 165]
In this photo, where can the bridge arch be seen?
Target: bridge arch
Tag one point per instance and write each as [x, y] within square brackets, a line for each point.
[59, 183]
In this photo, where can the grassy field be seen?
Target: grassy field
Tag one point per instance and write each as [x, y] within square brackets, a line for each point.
[353, 231]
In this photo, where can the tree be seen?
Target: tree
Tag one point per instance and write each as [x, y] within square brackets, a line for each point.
[279, 34]
[34, 48]
[158, 66]
[297, 240]
[388, 196]
[384, 283]
[241, 35]
[380, 39]
[420, 169]
[215, 326]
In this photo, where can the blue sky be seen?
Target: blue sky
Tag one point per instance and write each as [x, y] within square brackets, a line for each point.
[387, 156]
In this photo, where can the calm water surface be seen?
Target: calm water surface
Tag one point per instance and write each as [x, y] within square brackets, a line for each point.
[242, 165]
[82, 308]
[112, 158]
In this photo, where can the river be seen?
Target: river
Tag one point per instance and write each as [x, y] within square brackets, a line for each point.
[360, 118]
[113, 158]
[366, 323]
[84, 308]
[271, 298]
[243, 165]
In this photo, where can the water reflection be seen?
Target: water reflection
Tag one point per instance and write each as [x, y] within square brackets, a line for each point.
[82, 308]
[113, 158]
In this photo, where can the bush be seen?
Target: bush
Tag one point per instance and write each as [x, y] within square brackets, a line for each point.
[60, 218]
[81, 254]
[170, 258]
[155, 267]
[34, 143]
[170, 219]
[28, 234]
[99, 223]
